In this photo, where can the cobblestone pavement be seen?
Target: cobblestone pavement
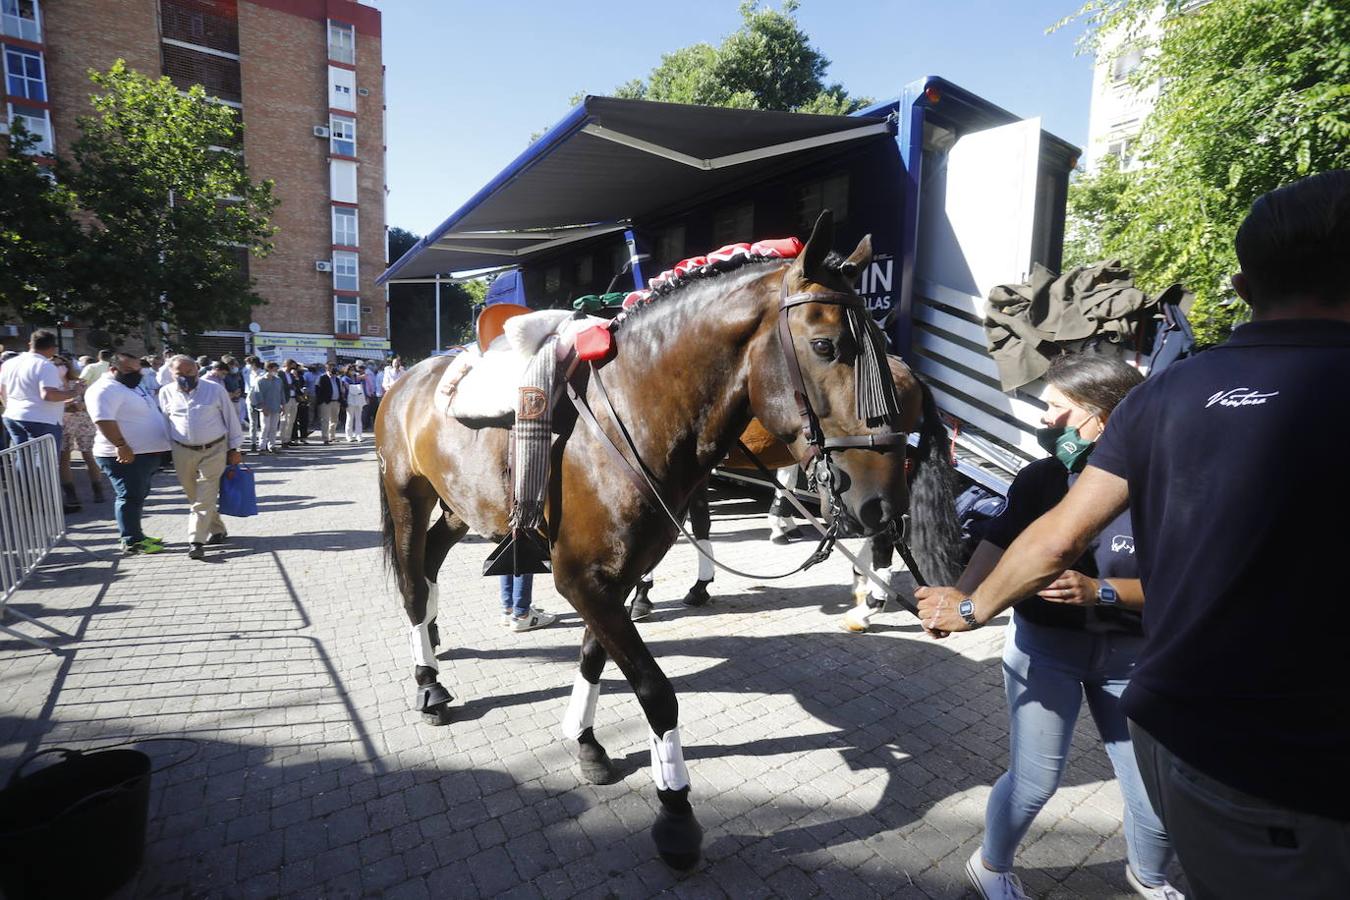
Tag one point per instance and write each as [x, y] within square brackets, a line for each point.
[823, 763]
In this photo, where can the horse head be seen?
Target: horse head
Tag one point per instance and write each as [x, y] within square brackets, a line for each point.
[842, 434]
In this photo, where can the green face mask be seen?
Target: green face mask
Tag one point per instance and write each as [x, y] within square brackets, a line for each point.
[1067, 445]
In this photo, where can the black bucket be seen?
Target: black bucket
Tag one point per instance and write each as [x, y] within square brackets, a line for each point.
[75, 829]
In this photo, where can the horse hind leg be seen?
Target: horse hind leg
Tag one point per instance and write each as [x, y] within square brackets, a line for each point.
[579, 721]
[405, 516]
[700, 523]
[448, 531]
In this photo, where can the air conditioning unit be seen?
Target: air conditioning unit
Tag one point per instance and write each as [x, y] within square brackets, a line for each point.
[364, 92]
[321, 131]
[323, 265]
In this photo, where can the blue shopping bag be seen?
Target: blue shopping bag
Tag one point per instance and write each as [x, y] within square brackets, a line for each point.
[238, 496]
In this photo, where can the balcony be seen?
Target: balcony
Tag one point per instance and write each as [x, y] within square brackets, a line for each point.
[188, 23]
[21, 19]
[187, 67]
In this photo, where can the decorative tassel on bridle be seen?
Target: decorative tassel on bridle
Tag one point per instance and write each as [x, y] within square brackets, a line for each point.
[875, 388]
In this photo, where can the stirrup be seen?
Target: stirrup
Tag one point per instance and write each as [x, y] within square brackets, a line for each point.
[524, 552]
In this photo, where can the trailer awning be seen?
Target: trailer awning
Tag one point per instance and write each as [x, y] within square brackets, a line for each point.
[613, 161]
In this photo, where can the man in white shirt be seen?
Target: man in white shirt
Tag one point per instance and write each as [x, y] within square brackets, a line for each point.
[206, 437]
[132, 435]
[393, 372]
[96, 370]
[34, 392]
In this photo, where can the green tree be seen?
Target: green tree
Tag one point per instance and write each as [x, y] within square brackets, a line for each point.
[1256, 94]
[767, 63]
[171, 209]
[39, 240]
[412, 307]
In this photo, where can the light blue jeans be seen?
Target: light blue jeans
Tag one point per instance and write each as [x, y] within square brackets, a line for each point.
[516, 591]
[1046, 672]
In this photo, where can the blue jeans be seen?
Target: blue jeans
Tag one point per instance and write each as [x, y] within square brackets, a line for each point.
[131, 485]
[1046, 672]
[21, 432]
[516, 590]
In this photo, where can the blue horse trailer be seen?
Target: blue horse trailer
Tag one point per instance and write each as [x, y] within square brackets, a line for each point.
[958, 195]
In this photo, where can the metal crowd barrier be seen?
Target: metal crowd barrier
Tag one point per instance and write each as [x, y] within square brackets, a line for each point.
[31, 522]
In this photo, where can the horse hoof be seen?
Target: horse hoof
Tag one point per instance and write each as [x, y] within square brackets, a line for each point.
[698, 594]
[642, 608]
[598, 770]
[437, 715]
[678, 838]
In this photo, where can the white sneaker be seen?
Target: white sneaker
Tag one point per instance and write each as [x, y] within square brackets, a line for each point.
[993, 885]
[535, 618]
[1164, 891]
[507, 619]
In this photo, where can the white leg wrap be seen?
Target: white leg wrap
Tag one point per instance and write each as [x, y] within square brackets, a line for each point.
[649, 579]
[668, 768]
[419, 638]
[884, 573]
[581, 708]
[705, 565]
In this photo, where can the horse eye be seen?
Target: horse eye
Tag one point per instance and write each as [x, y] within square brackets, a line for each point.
[823, 348]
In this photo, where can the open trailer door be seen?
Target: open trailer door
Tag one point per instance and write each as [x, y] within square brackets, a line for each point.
[977, 221]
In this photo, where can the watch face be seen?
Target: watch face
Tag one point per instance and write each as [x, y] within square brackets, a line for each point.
[966, 608]
[1107, 595]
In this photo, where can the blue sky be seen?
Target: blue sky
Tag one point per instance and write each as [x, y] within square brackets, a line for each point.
[469, 81]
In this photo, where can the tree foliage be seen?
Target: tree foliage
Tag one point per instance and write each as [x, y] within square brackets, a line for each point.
[143, 227]
[39, 238]
[1255, 94]
[767, 63]
[412, 308]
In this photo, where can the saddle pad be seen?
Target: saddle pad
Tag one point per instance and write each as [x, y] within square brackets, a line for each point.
[480, 389]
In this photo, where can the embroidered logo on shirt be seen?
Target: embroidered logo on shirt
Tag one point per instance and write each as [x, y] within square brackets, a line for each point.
[1122, 543]
[1241, 396]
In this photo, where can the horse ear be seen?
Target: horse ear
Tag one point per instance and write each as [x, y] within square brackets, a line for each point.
[859, 259]
[818, 246]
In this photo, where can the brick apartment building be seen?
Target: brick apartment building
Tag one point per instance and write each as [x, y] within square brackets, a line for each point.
[308, 79]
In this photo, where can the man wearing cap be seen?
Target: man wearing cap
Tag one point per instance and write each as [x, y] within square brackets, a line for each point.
[206, 437]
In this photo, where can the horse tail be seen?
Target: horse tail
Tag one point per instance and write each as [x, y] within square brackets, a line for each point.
[935, 534]
[392, 561]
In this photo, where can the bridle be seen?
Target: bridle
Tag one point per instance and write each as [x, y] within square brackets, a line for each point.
[882, 404]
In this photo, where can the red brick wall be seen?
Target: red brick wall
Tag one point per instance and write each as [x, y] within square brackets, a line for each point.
[91, 34]
[370, 182]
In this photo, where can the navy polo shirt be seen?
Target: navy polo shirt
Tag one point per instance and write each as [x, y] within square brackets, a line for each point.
[1237, 480]
[1035, 491]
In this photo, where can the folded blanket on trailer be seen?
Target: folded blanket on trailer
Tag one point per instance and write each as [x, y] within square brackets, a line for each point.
[1025, 324]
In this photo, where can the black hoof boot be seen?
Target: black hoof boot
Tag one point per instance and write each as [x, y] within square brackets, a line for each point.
[594, 762]
[678, 836]
[433, 702]
[698, 594]
[642, 604]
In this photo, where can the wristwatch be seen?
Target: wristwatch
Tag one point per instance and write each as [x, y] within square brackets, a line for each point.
[1106, 595]
[966, 608]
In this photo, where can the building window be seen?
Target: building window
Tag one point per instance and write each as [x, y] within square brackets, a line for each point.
[829, 193]
[23, 74]
[343, 131]
[344, 226]
[1123, 150]
[37, 123]
[341, 42]
[733, 224]
[21, 19]
[345, 275]
[343, 177]
[1125, 63]
[341, 88]
[347, 315]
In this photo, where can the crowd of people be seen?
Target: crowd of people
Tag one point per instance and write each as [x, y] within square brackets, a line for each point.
[127, 416]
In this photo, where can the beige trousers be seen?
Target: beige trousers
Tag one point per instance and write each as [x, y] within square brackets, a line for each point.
[287, 421]
[328, 416]
[199, 474]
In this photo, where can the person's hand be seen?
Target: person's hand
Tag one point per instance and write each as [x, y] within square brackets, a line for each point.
[1073, 588]
[937, 610]
[124, 454]
[234, 458]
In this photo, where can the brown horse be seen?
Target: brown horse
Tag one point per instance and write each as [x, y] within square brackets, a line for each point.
[692, 368]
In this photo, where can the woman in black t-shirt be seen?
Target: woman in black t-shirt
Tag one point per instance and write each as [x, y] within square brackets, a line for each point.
[1079, 636]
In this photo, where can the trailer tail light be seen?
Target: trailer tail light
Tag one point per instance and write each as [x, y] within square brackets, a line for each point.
[932, 94]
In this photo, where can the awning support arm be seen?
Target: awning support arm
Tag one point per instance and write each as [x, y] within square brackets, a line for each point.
[735, 159]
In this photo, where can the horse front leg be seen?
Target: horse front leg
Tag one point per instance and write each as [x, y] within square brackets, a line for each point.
[676, 832]
[579, 721]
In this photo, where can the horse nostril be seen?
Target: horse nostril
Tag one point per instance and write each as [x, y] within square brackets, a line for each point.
[875, 514]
